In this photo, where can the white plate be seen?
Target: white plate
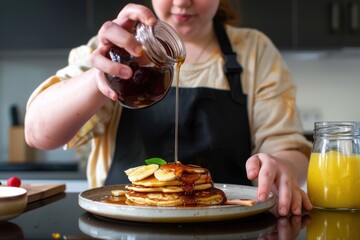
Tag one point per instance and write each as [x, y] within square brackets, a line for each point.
[90, 200]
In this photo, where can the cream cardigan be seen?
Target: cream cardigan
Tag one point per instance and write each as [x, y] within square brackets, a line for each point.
[273, 117]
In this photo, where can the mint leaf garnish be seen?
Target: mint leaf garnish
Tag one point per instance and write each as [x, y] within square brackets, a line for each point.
[155, 160]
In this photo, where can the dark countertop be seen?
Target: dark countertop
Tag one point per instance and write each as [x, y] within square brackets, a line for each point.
[75, 223]
[62, 215]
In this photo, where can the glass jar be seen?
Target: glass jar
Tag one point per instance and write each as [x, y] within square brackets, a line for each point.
[153, 72]
[333, 179]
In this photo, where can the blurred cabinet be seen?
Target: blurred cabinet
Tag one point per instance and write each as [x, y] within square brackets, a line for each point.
[42, 24]
[274, 18]
[328, 23]
[53, 24]
[104, 10]
[305, 24]
[294, 24]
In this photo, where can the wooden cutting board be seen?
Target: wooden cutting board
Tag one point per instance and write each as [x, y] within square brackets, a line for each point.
[38, 191]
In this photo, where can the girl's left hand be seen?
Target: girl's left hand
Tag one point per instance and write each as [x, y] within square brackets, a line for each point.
[275, 174]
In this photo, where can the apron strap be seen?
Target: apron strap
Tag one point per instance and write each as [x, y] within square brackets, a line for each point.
[232, 67]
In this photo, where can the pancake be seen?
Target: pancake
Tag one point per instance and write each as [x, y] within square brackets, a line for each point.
[209, 197]
[151, 181]
[167, 189]
[172, 184]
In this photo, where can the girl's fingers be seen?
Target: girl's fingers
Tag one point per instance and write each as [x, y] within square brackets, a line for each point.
[113, 34]
[267, 176]
[296, 202]
[306, 203]
[119, 32]
[106, 65]
[133, 13]
[273, 176]
[252, 167]
[285, 189]
[104, 87]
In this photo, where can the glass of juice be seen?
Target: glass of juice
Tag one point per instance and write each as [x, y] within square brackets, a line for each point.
[333, 180]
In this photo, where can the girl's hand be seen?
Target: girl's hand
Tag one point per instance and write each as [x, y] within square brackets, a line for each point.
[275, 174]
[119, 32]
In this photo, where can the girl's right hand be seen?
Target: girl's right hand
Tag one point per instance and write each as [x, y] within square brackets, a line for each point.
[119, 32]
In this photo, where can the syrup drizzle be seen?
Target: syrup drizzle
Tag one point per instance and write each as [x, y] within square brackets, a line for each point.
[176, 151]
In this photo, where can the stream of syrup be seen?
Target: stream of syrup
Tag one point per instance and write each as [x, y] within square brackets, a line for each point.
[177, 74]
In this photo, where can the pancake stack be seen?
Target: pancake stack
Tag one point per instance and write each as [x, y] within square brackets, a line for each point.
[172, 184]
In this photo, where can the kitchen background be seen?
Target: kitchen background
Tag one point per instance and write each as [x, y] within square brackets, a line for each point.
[320, 42]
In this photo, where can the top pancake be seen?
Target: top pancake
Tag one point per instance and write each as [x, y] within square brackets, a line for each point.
[151, 181]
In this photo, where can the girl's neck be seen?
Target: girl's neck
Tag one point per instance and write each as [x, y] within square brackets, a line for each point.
[200, 49]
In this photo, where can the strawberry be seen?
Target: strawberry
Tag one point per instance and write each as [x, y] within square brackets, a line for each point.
[14, 182]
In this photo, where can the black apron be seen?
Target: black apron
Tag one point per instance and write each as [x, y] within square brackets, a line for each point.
[213, 128]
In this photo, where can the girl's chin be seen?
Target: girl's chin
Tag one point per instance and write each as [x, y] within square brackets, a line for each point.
[186, 32]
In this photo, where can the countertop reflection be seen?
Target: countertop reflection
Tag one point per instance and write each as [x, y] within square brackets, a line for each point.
[63, 218]
[249, 228]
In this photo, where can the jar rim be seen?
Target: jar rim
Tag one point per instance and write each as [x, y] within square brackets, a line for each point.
[337, 128]
[161, 43]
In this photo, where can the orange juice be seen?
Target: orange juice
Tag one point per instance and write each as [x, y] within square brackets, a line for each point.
[334, 180]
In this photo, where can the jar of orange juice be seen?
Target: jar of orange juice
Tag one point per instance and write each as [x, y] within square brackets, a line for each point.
[334, 170]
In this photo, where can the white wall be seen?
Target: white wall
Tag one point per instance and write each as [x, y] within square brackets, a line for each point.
[328, 84]
[328, 87]
[20, 73]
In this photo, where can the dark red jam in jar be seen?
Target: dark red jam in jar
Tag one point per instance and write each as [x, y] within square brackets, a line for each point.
[153, 72]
